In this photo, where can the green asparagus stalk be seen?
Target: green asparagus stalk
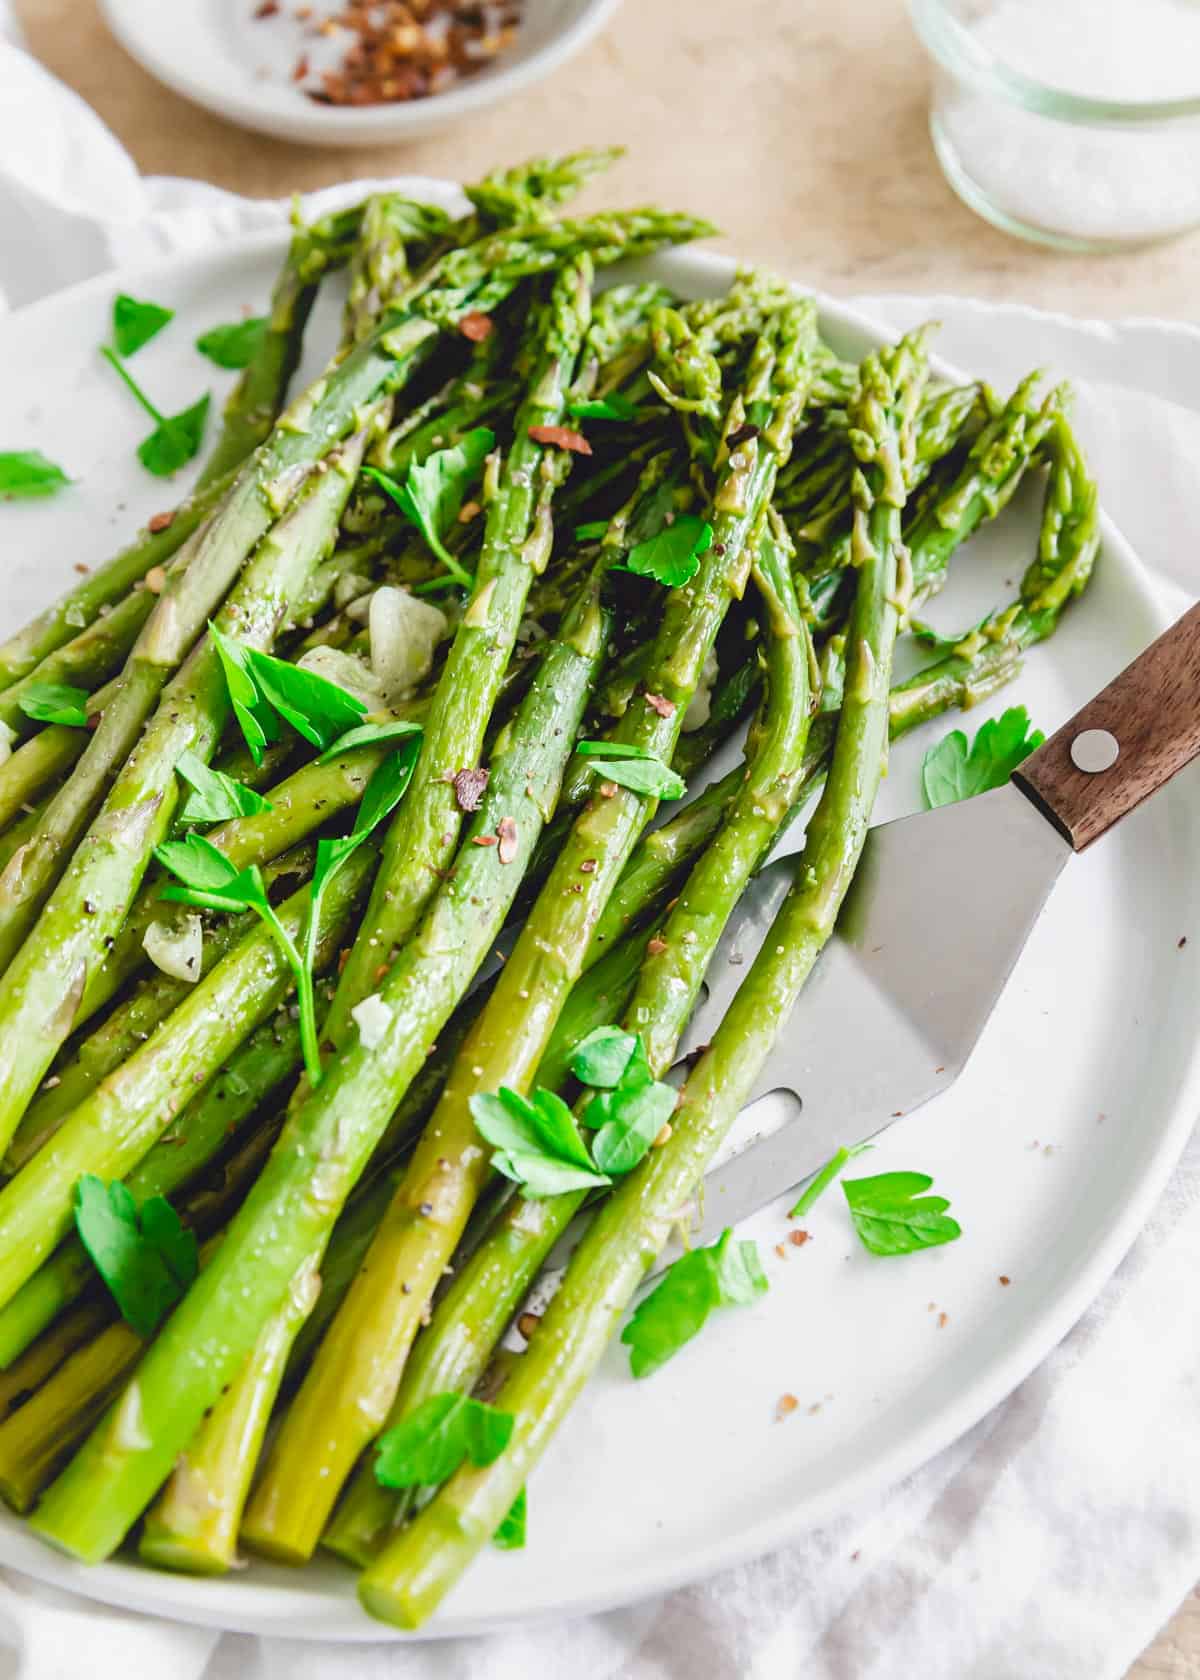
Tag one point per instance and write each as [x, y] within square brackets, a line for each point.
[204, 1129]
[417, 1567]
[37, 766]
[114, 1128]
[354, 1377]
[516, 545]
[329, 1138]
[86, 661]
[453, 1353]
[26, 1374]
[47, 974]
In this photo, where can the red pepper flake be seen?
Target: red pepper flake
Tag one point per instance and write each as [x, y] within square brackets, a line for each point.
[301, 70]
[476, 326]
[942, 1320]
[84, 570]
[656, 946]
[784, 1406]
[506, 833]
[742, 435]
[267, 9]
[781, 1250]
[160, 522]
[469, 787]
[660, 704]
[528, 1323]
[798, 1238]
[1182, 942]
[483, 840]
[561, 437]
[1004, 1281]
[588, 866]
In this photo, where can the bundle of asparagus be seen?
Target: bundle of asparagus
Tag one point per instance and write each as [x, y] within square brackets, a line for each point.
[424, 650]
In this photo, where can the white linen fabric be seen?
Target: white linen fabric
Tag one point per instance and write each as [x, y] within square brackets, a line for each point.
[1051, 1541]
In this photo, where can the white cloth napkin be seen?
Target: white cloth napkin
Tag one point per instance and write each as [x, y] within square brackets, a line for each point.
[1053, 1540]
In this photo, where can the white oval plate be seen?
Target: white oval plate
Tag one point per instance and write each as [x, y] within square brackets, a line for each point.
[215, 53]
[1052, 1146]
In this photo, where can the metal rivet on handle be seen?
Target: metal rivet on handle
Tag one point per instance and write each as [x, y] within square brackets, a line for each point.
[1094, 750]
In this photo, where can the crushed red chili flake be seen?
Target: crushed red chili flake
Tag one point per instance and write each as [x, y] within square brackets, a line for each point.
[301, 70]
[391, 50]
[588, 866]
[160, 521]
[84, 570]
[784, 1406]
[798, 1238]
[742, 435]
[267, 9]
[656, 946]
[483, 840]
[506, 833]
[476, 326]
[561, 437]
[1004, 1281]
[469, 788]
[660, 704]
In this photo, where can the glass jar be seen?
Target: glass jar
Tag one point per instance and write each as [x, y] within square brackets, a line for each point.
[1097, 151]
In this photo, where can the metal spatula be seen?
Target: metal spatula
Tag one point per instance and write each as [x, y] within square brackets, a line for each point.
[878, 1030]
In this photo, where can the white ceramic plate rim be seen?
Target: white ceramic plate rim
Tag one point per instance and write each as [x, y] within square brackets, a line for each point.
[311, 1612]
[332, 126]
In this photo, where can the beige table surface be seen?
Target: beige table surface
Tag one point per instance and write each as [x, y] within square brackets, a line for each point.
[798, 125]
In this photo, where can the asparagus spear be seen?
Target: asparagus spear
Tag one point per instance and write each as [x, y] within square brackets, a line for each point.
[453, 1353]
[47, 974]
[36, 766]
[418, 1566]
[259, 394]
[114, 1127]
[86, 661]
[329, 1137]
[516, 545]
[202, 1130]
[375, 1327]
[26, 1374]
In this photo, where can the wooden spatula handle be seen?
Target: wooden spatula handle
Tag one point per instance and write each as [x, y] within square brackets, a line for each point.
[1151, 712]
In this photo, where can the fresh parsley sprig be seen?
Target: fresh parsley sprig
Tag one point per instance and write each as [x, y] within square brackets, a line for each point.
[672, 555]
[535, 1141]
[824, 1177]
[145, 1256]
[892, 1214]
[27, 473]
[725, 1274]
[632, 767]
[264, 690]
[216, 797]
[135, 322]
[176, 438]
[55, 703]
[434, 491]
[954, 770]
[235, 344]
[437, 1437]
[630, 1107]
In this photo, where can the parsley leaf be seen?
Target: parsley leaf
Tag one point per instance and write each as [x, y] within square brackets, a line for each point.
[602, 1057]
[892, 1216]
[262, 687]
[824, 1177]
[633, 768]
[26, 473]
[55, 703]
[936, 641]
[255, 718]
[537, 1143]
[437, 1436]
[175, 440]
[205, 878]
[136, 322]
[627, 1119]
[672, 556]
[612, 407]
[953, 770]
[367, 734]
[144, 1255]
[593, 531]
[316, 708]
[216, 797]
[726, 1274]
[510, 1536]
[234, 345]
[435, 489]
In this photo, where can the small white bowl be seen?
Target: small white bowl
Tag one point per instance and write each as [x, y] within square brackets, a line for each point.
[203, 49]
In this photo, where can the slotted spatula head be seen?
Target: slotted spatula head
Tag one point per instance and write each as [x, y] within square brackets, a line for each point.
[940, 908]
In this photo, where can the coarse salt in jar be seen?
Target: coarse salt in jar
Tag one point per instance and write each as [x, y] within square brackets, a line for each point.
[1072, 122]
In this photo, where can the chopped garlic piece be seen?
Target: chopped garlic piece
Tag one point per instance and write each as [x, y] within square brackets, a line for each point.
[404, 632]
[697, 713]
[372, 1017]
[176, 947]
[347, 671]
